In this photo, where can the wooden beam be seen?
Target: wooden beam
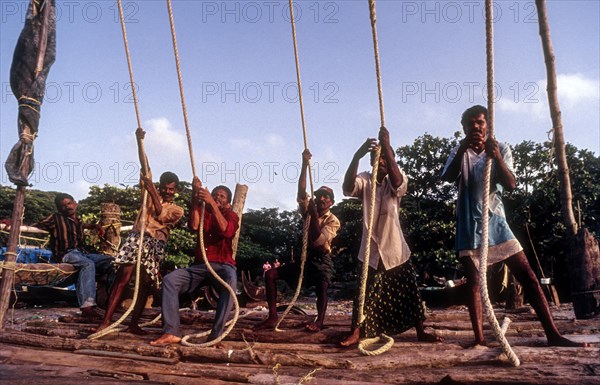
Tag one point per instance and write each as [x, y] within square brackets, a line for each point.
[8, 272]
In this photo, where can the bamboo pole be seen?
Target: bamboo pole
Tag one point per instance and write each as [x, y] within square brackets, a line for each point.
[566, 197]
[8, 274]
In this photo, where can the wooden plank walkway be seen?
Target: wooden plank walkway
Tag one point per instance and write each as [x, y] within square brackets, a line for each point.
[48, 347]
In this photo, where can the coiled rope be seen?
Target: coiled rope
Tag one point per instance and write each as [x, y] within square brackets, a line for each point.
[185, 339]
[487, 305]
[388, 341]
[307, 219]
[145, 169]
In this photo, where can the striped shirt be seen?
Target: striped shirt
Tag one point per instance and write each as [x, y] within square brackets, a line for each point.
[66, 234]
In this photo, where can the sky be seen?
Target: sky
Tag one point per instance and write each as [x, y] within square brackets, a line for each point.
[239, 77]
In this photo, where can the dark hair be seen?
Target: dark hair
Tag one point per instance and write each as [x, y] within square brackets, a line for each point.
[168, 177]
[224, 188]
[62, 196]
[473, 112]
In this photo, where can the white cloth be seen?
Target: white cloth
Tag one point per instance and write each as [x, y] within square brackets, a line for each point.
[387, 240]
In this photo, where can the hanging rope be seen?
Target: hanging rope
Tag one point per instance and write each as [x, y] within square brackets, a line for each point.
[144, 171]
[389, 341]
[184, 340]
[307, 219]
[487, 305]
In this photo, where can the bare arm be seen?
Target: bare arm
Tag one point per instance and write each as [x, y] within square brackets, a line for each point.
[153, 193]
[505, 176]
[306, 155]
[390, 159]
[350, 176]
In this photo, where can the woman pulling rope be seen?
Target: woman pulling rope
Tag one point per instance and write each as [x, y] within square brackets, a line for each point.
[393, 304]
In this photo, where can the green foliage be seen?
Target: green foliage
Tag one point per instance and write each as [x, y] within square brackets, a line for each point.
[38, 204]
[427, 213]
[267, 234]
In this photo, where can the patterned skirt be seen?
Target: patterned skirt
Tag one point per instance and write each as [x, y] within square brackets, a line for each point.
[153, 253]
[393, 304]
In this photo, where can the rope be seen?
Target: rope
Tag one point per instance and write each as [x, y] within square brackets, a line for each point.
[307, 219]
[487, 305]
[180, 80]
[362, 346]
[184, 340]
[300, 98]
[301, 275]
[144, 170]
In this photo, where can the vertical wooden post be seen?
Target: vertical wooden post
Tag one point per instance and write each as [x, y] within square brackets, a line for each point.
[239, 200]
[8, 274]
[110, 220]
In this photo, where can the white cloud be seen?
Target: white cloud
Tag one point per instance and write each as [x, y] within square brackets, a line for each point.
[162, 138]
[574, 91]
[275, 140]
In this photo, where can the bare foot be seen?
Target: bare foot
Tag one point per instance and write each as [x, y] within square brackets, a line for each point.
[102, 326]
[566, 343]
[166, 339]
[352, 339]
[269, 323]
[313, 327]
[137, 330]
[428, 337]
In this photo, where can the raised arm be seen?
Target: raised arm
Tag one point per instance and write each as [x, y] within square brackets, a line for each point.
[351, 172]
[390, 159]
[140, 134]
[306, 156]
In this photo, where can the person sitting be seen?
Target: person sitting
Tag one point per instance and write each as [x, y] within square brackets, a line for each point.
[220, 226]
[68, 246]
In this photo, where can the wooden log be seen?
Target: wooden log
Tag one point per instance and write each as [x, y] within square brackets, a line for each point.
[8, 274]
[239, 200]
[42, 273]
[110, 220]
[585, 275]
[70, 344]
[135, 357]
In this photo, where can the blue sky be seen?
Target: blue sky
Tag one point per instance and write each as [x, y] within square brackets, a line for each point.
[239, 77]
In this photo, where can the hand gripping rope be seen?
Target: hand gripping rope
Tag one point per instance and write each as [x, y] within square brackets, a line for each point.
[231, 324]
[388, 341]
[488, 309]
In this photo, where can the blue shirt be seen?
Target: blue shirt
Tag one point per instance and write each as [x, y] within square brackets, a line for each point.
[470, 200]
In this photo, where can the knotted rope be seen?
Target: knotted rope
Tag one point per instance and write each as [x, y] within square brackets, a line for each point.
[362, 346]
[144, 170]
[184, 340]
[307, 219]
[487, 305]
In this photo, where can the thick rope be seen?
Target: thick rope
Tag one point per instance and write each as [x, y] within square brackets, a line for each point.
[487, 305]
[307, 219]
[362, 346]
[181, 92]
[300, 98]
[184, 340]
[144, 170]
[301, 275]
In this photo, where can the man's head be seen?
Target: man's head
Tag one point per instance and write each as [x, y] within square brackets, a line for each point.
[222, 196]
[65, 204]
[474, 122]
[168, 186]
[324, 198]
[473, 113]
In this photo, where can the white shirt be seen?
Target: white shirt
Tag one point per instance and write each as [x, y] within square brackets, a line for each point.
[387, 240]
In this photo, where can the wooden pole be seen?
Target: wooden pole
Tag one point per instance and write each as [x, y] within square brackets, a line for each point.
[8, 274]
[239, 201]
[110, 220]
[566, 197]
